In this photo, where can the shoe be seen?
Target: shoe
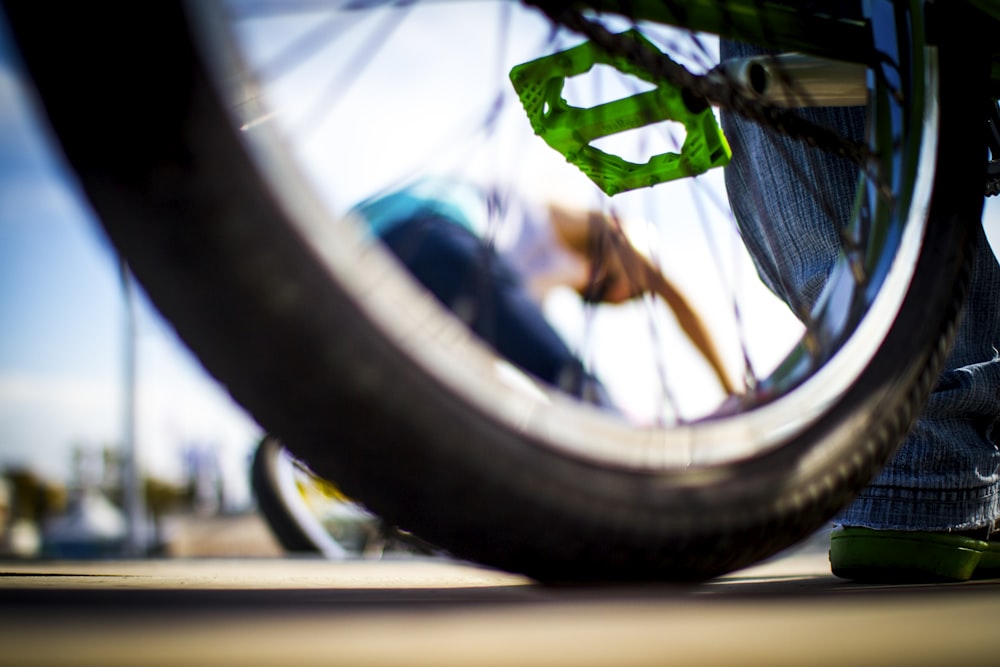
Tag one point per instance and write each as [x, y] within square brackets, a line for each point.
[894, 556]
[989, 562]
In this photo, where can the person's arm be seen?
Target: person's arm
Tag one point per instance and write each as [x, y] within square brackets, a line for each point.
[619, 272]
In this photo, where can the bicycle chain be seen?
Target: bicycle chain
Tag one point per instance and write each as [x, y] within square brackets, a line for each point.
[714, 87]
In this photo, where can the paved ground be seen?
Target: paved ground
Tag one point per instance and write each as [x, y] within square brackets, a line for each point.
[281, 611]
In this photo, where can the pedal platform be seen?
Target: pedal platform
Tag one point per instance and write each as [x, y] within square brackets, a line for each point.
[572, 130]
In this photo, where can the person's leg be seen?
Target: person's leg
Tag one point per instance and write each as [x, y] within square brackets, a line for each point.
[468, 277]
[952, 451]
[789, 202]
[930, 512]
[945, 476]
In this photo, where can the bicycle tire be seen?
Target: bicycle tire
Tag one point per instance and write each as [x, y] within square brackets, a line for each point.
[247, 293]
[309, 517]
[279, 501]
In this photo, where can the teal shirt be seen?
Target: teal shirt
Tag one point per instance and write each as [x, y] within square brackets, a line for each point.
[422, 200]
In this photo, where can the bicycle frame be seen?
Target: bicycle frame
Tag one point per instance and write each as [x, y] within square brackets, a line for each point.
[741, 20]
[828, 36]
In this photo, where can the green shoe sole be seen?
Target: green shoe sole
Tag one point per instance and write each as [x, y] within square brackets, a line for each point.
[891, 556]
[989, 562]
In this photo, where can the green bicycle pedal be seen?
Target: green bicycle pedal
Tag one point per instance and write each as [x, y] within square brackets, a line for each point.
[571, 130]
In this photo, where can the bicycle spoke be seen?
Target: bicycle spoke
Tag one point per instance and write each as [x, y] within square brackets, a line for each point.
[480, 134]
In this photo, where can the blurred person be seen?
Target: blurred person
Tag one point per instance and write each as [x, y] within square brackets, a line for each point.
[495, 283]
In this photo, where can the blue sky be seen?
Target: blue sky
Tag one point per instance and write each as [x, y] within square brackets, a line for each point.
[63, 321]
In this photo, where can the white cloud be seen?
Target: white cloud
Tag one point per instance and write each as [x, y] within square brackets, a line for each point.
[64, 393]
[178, 406]
[43, 417]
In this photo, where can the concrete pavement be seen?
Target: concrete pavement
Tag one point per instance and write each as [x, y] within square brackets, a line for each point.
[282, 611]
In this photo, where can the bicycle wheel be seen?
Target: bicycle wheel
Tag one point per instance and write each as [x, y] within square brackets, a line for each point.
[330, 344]
[306, 514]
[309, 515]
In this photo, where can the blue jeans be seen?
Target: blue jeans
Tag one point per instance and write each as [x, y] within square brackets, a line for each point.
[946, 475]
[467, 276]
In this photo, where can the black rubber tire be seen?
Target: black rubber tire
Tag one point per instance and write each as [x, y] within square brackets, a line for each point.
[281, 521]
[155, 153]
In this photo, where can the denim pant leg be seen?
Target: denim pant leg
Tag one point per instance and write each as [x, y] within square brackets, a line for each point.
[475, 283]
[945, 476]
